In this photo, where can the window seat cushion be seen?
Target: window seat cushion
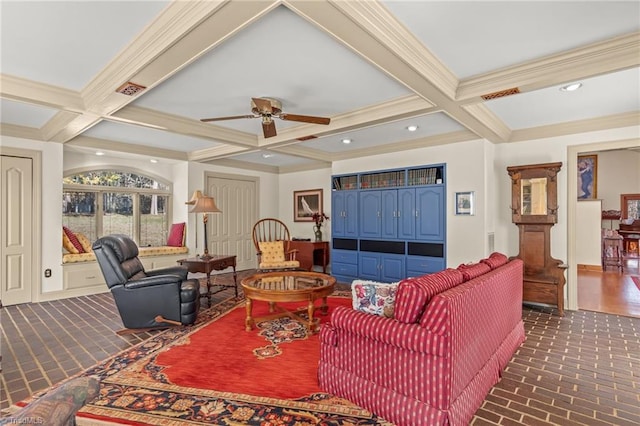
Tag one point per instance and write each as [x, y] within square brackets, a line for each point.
[143, 252]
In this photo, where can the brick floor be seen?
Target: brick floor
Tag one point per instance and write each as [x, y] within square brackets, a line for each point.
[582, 369]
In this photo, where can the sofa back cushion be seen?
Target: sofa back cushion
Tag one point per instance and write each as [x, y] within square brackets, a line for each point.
[495, 260]
[414, 294]
[473, 270]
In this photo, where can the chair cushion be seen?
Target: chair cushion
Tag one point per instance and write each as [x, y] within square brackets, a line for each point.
[70, 241]
[176, 235]
[375, 298]
[285, 264]
[272, 251]
[84, 242]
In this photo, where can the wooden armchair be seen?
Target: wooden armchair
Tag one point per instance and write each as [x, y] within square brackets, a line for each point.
[271, 239]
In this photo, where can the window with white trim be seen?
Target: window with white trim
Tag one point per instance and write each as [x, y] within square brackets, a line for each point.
[108, 201]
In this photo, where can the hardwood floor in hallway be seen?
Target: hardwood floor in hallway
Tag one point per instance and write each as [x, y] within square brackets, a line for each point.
[611, 291]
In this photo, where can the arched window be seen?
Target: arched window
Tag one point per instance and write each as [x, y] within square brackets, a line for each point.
[110, 201]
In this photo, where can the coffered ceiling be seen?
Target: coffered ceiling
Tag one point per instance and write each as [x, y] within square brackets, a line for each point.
[373, 67]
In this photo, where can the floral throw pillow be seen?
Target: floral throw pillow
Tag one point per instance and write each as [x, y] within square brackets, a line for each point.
[373, 297]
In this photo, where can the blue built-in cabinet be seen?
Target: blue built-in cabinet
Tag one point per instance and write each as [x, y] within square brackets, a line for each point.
[389, 224]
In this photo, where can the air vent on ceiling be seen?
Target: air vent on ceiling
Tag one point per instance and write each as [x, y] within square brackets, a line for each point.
[130, 89]
[306, 138]
[501, 94]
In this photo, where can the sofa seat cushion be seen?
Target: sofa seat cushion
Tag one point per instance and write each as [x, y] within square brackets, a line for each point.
[473, 270]
[373, 297]
[414, 294]
[143, 252]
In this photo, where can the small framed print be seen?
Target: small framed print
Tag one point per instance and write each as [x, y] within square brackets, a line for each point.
[465, 203]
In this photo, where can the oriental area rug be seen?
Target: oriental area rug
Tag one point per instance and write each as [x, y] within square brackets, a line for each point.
[217, 373]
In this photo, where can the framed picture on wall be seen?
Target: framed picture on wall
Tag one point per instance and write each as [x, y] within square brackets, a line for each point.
[464, 203]
[305, 204]
[587, 177]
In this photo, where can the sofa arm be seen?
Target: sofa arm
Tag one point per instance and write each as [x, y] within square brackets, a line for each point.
[385, 330]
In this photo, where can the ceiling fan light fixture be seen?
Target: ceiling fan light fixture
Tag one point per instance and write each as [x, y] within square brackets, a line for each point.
[571, 87]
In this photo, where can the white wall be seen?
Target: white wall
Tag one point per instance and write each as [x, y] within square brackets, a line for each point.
[618, 173]
[588, 238]
[302, 181]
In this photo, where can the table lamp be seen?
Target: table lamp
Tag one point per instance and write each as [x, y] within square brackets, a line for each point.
[205, 205]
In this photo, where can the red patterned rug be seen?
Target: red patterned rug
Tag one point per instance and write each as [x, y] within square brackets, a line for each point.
[217, 373]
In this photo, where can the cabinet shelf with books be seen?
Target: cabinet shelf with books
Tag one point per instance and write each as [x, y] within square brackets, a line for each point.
[389, 179]
[431, 175]
[346, 182]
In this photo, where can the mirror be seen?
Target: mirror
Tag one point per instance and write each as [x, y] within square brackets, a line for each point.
[534, 193]
[630, 206]
[534, 196]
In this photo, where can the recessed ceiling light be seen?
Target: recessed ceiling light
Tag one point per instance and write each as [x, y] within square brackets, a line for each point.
[346, 141]
[571, 87]
[99, 153]
[267, 155]
[153, 160]
[412, 128]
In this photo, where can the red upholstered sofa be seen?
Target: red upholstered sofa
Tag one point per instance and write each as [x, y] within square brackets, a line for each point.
[433, 363]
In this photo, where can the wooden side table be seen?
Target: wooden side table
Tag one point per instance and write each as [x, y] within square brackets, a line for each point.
[205, 265]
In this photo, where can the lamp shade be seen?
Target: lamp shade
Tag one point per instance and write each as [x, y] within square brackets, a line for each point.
[196, 194]
[205, 204]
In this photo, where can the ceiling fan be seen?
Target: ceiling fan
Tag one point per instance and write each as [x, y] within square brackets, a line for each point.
[266, 109]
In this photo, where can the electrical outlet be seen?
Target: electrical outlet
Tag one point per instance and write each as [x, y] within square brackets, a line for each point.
[47, 273]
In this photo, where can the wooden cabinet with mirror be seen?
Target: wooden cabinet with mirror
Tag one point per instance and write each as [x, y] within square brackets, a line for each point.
[630, 223]
[534, 209]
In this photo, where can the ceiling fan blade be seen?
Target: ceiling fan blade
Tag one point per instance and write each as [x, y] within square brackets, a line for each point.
[233, 117]
[269, 129]
[305, 118]
[263, 105]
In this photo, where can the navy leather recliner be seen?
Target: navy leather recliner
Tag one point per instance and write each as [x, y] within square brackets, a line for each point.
[144, 299]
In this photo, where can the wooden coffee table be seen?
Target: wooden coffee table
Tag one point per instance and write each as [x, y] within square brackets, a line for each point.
[288, 286]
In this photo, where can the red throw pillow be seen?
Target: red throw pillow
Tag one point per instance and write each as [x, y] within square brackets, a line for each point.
[176, 235]
[73, 239]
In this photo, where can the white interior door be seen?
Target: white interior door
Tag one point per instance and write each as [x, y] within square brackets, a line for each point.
[230, 231]
[16, 217]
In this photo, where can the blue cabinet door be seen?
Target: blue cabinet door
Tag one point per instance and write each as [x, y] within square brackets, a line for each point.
[407, 214]
[392, 267]
[389, 208]
[338, 222]
[350, 214]
[430, 213]
[344, 208]
[369, 266]
[370, 214]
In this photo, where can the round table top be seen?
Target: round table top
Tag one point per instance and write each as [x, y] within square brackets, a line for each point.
[288, 282]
